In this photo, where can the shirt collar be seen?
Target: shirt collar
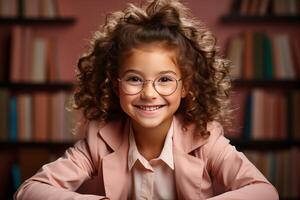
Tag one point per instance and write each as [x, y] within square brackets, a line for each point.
[166, 154]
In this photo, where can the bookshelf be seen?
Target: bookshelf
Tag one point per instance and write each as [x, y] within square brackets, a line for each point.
[237, 18]
[268, 112]
[58, 21]
[52, 86]
[284, 84]
[22, 156]
[264, 145]
[34, 144]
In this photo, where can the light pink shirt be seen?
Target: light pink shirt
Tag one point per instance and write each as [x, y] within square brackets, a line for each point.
[152, 179]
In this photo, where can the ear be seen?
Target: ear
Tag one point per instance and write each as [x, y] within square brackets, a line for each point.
[184, 92]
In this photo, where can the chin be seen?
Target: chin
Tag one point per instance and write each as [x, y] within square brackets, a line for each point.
[151, 123]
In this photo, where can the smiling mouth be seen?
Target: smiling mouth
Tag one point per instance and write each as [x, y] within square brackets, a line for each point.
[149, 108]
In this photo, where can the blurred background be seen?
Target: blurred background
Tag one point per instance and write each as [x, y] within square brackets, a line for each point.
[41, 41]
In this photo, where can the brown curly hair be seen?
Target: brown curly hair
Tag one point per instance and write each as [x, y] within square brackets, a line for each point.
[167, 22]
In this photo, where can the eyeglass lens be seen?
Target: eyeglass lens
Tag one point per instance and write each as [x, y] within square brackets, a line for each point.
[164, 85]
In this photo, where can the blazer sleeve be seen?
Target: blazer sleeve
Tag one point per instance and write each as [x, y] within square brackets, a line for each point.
[234, 172]
[60, 179]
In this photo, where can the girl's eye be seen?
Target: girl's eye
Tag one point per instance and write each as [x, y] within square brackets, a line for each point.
[165, 79]
[133, 80]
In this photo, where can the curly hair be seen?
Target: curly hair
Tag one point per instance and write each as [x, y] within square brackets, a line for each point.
[169, 23]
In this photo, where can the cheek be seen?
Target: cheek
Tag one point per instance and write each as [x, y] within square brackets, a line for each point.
[125, 100]
[175, 99]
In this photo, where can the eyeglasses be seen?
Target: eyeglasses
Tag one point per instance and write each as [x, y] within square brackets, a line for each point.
[164, 85]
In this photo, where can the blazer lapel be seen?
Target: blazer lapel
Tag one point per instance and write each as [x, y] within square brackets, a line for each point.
[188, 175]
[115, 169]
[188, 168]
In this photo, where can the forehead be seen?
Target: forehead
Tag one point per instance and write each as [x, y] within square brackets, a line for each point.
[150, 60]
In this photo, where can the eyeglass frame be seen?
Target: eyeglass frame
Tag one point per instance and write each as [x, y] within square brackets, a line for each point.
[153, 85]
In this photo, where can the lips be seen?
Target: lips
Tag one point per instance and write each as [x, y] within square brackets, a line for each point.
[149, 107]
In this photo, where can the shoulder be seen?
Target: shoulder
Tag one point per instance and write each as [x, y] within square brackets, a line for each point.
[110, 134]
[218, 150]
[215, 143]
[95, 129]
[190, 140]
[216, 134]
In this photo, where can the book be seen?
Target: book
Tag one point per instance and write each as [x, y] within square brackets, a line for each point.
[235, 6]
[295, 104]
[287, 56]
[263, 7]
[48, 9]
[296, 55]
[258, 55]
[268, 114]
[16, 175]
[257, 117]
[57, 116]
[24, 117]
[31, 8]
[268, 65]
[245, 6]
[27, 50]
[292, 7]
[40, 116]
[16, 54]
[295, 177]
[9, 8]
[254, 6]
[235, 52]
[54, 73]
[13, 119]
[248, 116]
[282, 58]
[248, 71]
[238, 99]
[280, 7]
[281, 114]
[4, 114]
[5, 35]
[39, 60]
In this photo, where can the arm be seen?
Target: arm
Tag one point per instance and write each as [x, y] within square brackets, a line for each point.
[240, 178]
[59, 179]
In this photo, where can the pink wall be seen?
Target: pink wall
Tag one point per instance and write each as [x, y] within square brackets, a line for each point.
[73, 40]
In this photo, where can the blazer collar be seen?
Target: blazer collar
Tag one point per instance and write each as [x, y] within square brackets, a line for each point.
[113, 133]
[185, 139]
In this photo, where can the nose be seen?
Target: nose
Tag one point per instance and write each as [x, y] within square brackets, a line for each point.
[148, 91]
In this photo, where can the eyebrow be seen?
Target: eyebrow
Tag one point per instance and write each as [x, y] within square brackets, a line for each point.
[141, 73]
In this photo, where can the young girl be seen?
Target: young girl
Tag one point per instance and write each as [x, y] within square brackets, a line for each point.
[154, 93]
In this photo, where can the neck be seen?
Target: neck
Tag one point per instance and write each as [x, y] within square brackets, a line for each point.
[150, 141]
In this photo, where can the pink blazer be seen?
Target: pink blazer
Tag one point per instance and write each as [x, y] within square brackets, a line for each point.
[204, 168]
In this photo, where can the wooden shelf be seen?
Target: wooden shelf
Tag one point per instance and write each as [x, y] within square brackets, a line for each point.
[267, 145]
[236, 18]
[55, 86]
[34, 144]
[37, 21]
[286, 84]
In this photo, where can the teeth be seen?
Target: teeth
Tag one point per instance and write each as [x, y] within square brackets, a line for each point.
[149, 108]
